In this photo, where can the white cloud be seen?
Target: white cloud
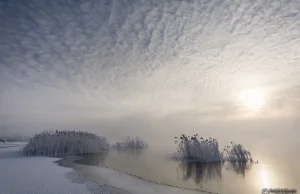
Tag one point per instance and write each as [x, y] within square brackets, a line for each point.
[145, 56]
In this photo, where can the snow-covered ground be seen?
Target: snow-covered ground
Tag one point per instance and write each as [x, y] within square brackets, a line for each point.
[37, 175]
[11, 144]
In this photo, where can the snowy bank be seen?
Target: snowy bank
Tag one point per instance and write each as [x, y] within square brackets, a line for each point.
[38, 175]
[11, 144]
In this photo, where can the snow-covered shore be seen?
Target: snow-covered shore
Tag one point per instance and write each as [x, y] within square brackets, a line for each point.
[37, 175]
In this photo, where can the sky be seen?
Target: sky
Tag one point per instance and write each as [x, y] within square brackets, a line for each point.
[126, 67]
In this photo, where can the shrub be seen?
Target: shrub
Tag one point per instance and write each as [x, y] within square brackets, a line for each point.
[55, 143]
[131, 143]
[207, 150]
[198, 149]
[236, 153]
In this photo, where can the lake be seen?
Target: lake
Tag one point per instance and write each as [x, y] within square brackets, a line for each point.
[274, 170]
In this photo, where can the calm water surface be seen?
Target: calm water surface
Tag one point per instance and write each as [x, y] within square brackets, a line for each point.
[229, 178]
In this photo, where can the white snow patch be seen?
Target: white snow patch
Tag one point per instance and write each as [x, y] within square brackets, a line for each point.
[36, 175]
[11, 144]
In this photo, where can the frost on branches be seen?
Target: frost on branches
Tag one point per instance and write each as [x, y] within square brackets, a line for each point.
[55, 143]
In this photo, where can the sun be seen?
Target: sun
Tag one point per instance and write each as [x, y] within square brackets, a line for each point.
[253, 99]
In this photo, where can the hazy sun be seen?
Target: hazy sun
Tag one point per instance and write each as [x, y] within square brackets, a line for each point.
[252, 99]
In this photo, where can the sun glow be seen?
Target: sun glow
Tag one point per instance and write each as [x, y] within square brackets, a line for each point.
[265, 178]
[253, 99]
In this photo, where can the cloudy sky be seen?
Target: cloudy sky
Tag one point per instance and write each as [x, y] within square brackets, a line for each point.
[132, 65]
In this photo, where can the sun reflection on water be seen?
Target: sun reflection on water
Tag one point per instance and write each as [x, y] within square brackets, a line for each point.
[265, 178]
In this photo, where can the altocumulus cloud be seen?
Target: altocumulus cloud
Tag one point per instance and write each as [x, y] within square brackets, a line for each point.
[110, 57]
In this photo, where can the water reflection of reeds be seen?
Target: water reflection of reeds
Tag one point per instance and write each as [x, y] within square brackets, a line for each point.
[98, 159]
[93, 159]
[238, 167]
[130, 152]
[203, 172]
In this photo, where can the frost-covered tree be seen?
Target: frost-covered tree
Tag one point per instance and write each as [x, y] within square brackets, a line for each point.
[54, 143]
